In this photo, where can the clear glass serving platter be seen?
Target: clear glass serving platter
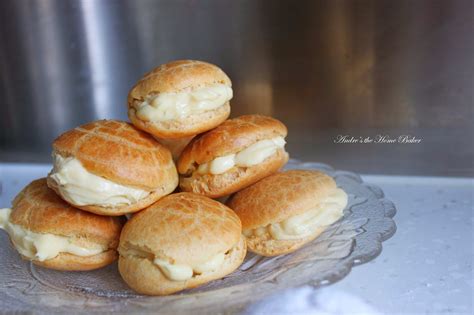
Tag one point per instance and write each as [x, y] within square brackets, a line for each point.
[354, 239]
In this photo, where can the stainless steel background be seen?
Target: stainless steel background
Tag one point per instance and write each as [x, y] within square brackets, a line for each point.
[323, 67]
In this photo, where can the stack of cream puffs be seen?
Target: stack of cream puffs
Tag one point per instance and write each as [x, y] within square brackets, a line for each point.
[161, 171]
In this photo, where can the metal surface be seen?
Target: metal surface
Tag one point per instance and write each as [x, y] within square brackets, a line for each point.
[323, 67]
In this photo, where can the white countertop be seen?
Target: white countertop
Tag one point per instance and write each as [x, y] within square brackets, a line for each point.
[425, 268]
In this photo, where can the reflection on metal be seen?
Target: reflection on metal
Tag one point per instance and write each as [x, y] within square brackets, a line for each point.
[255, 97]
[314, 64]
[97, 53]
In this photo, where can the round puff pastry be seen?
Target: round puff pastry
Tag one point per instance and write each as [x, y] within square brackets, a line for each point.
[109, 167]
[180, 99]
[180, 242]
[49, 232]
[286, 210]
[254, 140]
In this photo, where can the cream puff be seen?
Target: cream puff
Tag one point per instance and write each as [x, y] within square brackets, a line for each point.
[180, 242]
[232, 156]
[49, 232]
[180, 99]
[285, 211]
[109, 167]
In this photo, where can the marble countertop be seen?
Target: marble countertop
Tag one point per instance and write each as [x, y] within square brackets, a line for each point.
[425, 268]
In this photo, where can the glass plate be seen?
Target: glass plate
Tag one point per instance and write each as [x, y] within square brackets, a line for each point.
[354, 239]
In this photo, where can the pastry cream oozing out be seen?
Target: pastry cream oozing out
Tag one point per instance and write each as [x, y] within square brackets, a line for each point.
[250, 156]
[170, 106]
[181, 272]
[39, 246]
[328, 211]
[80, 187]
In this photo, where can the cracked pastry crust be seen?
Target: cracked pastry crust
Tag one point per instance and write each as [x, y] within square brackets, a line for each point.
[119, 152]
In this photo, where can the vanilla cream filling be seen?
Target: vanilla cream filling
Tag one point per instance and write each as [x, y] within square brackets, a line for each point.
[181, 272]
[328, 211]
[39, 246]
[82, 188]
[250, 156]
[170, 106]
